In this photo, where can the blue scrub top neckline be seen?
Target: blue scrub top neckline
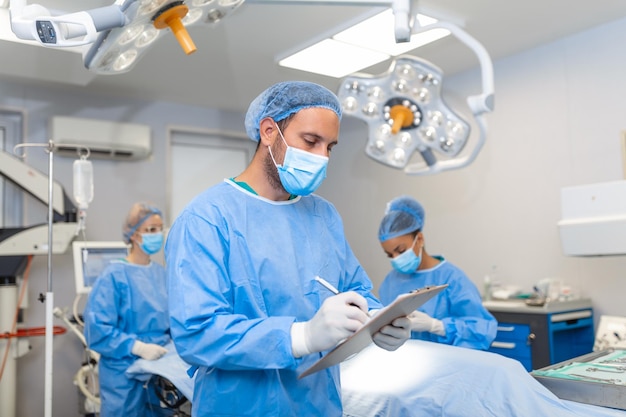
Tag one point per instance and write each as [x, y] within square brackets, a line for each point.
[247, 187]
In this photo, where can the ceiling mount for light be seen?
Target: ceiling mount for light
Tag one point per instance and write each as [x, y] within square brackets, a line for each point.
[406, 114]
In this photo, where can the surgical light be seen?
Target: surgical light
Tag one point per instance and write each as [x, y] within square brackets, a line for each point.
[113, 38]
[118, 49]
[406, 114]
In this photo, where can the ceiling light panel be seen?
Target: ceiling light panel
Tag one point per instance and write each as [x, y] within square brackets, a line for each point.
[367, 43]
[329, 58]
[376, 33]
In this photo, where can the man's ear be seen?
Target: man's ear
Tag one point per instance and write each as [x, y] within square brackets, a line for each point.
[267, 131]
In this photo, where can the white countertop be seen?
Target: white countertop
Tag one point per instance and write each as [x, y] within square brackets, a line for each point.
[520, 306]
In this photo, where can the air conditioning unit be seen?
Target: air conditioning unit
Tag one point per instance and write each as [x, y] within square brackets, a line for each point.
[104, 139]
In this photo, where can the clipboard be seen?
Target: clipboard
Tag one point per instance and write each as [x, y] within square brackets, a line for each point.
[403, 305]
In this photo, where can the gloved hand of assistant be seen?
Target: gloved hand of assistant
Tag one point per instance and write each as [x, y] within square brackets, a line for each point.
[392, 336]
[422, 322]
[339, 317]
[148, 351]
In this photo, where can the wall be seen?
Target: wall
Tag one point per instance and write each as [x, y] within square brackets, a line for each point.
[557, 123]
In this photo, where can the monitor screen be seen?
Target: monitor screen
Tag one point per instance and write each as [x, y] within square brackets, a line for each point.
[91, 258]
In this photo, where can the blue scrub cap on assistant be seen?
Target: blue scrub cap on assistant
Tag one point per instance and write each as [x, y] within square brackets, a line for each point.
[284, 99]
[139, 213]
[404, 215]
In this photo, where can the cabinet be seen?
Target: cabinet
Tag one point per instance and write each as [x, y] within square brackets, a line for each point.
[542, 336]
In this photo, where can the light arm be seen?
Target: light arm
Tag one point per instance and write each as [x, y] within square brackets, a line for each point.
[479, 105]
[35, 22]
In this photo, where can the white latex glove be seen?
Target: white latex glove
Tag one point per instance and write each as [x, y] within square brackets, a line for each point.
[148, 351]
[338, 317]
[393, 335]
[422, 322]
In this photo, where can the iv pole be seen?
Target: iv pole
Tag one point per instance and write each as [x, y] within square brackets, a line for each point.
[49, 297]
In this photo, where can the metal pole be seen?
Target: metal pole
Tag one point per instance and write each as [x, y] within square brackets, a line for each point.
[49, 294]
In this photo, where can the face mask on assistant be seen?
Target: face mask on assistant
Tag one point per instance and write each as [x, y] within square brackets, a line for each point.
[301, 172]
[407, 262]
[151, 242]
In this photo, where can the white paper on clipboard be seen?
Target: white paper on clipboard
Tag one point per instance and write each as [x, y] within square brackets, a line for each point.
[403, 305]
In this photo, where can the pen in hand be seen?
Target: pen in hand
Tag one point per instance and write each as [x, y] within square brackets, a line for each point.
[327, 284]
[330, 287]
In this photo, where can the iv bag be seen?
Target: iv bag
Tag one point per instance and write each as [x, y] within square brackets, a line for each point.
[83, 182]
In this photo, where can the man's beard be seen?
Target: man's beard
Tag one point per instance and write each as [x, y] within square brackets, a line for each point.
[271, 172]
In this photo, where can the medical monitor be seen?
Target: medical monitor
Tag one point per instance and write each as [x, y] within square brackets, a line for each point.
[91, 258]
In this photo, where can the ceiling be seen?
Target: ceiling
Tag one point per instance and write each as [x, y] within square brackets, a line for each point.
[235, 59]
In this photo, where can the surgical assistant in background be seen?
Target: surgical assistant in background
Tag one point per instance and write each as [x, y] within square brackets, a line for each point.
[242, 257]
[126, 315]
[456, 316]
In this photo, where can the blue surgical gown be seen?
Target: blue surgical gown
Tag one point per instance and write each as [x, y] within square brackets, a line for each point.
[128, 302]
[241, 270]
[467, 323]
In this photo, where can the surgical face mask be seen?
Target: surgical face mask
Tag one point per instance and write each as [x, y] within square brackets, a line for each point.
[301, 172]
[151, 242]
[407, 262]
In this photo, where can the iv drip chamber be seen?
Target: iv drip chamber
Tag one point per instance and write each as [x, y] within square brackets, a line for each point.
[83, 182]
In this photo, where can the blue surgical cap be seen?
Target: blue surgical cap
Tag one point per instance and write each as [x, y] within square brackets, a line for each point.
[139, 213]
[284, 99]
[404, 215]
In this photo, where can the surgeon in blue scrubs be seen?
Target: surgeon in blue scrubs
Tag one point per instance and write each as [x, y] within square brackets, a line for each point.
[246, 310]
[126, 316]
[455, 316]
